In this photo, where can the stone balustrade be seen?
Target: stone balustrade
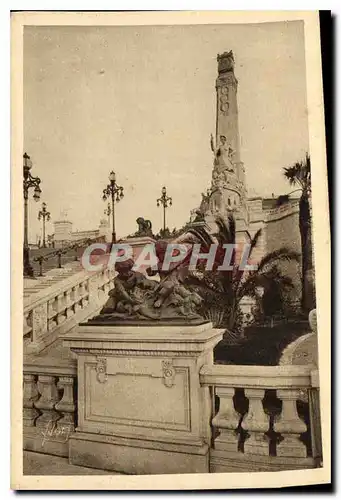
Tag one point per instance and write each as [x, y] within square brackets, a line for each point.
[55, 310]
[261, 422]
[282, 211]
[49, 409]
[105, 396]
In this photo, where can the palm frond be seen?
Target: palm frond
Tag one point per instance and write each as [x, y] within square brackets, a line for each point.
[299, 173]
[248, 286]
[222, 291]
[282, 254]
[274, 276]
[255, 240]
[216, 316]
[266, 280]
[201, 235]
[206, 280]
[226, 230]
[293, 174]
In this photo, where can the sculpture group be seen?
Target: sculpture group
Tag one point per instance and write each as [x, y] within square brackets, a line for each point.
[138, 298]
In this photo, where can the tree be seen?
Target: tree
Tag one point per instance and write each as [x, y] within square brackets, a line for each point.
[223, 290]
[299, 175]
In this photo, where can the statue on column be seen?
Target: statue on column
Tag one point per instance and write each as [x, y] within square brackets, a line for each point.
[223, 155]
[64, 214]
[225, 62]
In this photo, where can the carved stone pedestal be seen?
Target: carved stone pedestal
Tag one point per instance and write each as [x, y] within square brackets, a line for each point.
[141, 409]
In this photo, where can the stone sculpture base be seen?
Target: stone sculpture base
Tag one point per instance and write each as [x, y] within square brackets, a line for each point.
[141, 409]
[136, 456]
[101, 320]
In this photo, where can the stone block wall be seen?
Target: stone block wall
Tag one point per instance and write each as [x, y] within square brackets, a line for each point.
[282, 230]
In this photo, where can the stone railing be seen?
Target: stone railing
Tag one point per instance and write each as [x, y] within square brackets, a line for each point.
[80, 401]
[48, 255]
[262, 419]
[282, 211]
[55, 310]
[49, 408]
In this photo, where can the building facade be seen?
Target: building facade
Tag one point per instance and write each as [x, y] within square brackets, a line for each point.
[64, 235]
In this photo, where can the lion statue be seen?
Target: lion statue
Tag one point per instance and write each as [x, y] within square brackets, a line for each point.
[144, 227]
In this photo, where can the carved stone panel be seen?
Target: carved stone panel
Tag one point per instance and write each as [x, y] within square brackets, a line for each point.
[101, 370]
[224, 108]
[168, 373]
[129, 395]
[224, 99]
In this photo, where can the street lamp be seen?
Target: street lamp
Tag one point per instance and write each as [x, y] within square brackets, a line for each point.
[114, 191]
[165, 201]
[45, 215]
[29, 182]
[107, 212]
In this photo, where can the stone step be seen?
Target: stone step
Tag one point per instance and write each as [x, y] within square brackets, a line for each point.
[39, 464]
[55, 276]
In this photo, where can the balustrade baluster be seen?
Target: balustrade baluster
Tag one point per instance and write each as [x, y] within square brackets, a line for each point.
[46, 404]
[81, 290]
[315, 424]
[39, 321]
[226, 420]
[290, 426]
[75, 299]
[85, 294]
[68, 304]
[93, 287]
[66, 405]
[60, 301]
[28, 324]
[81, 294]
[315, 417]
[30, 396]
[52, 314]
[101, 294]
[256, 424]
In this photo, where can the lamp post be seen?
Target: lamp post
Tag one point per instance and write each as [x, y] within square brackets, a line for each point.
[29, 182]
[114, 191]
[165, 201]
[107, 212]
[46, 216]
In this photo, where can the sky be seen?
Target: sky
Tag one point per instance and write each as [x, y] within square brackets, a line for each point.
[140, 100]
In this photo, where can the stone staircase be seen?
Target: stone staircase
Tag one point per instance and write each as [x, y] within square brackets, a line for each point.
[51, 277]
[52, 261]
[56, 302]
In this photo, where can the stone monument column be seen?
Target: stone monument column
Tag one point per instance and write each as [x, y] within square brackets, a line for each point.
[227, 106]
[141, 408]
[228, 188]
[228, 176]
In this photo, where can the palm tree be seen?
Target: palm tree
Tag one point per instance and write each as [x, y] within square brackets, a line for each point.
[223, 290]
[299, 175]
